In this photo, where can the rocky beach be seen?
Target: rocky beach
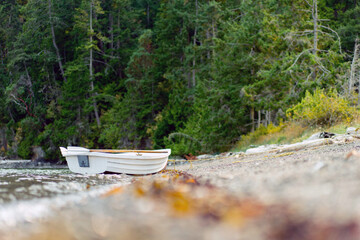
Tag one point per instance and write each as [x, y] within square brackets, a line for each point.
[311, 192]
[180, 120]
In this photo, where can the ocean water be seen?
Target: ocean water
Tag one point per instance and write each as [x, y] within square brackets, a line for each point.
[27, 184]
[28, 194]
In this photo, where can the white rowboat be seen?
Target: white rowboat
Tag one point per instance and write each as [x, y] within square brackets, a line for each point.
[90, 161]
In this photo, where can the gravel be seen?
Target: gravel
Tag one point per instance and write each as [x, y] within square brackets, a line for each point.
[312, 193]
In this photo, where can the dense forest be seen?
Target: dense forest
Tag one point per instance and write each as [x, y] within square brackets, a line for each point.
[193, 75]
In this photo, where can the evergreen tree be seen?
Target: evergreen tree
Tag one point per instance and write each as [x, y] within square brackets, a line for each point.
[127, 122]
[190, 75]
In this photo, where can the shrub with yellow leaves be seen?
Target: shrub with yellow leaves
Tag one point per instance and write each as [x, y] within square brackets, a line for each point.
[322, 109]
[261, 135]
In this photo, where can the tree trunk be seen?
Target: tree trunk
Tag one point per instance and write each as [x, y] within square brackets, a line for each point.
[259, 119]
[359, 89]
[188, 75]
[252, 117]
[353, 66]
[194, 44]
[4, 140]
[120, 70]
[29, 82]
[2, 55]
[267, 118]
[315, 19]
[118, 28]
[91, 67]
[270, 113]
[111, 28]
[194, 73]
[54, 42]
[213, 36]
[148, 14]
[208, 53]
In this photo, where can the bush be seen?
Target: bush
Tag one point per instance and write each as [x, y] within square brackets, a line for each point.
[27, 136]
[283, 133]
[320, 109]
[182, 144]
[262, 135]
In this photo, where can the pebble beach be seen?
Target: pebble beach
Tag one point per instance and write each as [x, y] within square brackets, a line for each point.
[307, 193]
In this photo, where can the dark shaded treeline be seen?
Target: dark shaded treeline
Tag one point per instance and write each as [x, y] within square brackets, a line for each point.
[192, 75]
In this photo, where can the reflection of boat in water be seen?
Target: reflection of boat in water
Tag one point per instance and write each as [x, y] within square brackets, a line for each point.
[83, 160]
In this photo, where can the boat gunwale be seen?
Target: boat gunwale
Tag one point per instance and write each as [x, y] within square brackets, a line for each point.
[126, 155]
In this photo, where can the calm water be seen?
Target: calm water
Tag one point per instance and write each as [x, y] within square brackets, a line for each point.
[27, 184]
[30, 194]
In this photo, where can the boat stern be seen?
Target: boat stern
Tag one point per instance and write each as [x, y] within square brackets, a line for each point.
[80, 161]
[63, 151]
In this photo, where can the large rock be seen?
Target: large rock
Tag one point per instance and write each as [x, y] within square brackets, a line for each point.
[352, 130]
[205, 156]
[38, 154]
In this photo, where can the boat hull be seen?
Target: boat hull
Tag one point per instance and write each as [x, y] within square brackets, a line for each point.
[129, 162]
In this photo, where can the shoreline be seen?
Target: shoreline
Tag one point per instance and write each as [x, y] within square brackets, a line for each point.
[23, 164]
[240, 196]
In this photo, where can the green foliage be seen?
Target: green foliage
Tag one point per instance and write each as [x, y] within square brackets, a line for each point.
[172, 119]
[182, 144]
[127, 122]
[253, 137]
[283, 133]
[349, 27]
[322, 109]
[181, 74]
[27, 137]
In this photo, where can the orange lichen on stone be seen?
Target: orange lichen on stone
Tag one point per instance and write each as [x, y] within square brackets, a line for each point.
[113, 191]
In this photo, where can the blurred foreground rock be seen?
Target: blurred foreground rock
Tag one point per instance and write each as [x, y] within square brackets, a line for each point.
[311, 193]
